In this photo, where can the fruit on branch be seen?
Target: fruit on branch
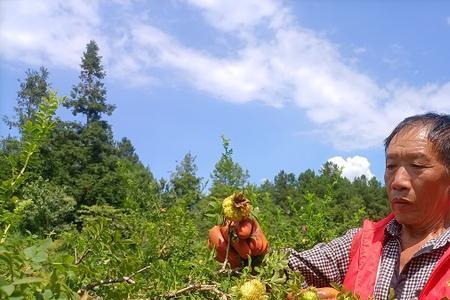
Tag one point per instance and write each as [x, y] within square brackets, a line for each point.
[309, 294]
[236, 207]
[242, 248]
[257, 241]
[225, 231]
[217, 241]
[239, 234]
[244, 228]
[253, 290]
[233, 258]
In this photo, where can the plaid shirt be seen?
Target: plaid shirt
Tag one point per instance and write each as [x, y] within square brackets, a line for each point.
[328, 262]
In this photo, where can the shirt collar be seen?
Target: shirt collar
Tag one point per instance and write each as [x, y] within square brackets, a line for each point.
[394, 228]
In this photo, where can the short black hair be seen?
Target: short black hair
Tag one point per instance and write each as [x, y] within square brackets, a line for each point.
[438, 134]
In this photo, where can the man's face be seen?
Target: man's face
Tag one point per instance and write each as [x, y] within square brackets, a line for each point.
[417, 183]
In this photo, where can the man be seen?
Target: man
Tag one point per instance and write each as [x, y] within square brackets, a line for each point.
[409, 249]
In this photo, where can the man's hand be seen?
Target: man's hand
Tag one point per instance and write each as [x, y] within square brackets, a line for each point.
[326, 293]
[246, 239]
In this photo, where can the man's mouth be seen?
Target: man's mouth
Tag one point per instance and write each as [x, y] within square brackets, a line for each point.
[400, 200]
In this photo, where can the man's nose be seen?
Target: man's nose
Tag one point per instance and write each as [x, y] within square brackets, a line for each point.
[401, 179]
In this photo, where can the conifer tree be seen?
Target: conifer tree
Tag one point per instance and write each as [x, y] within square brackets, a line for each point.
[184, 182]
[89, 96]
[227, 176]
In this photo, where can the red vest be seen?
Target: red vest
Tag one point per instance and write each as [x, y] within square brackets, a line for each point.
[365, 255]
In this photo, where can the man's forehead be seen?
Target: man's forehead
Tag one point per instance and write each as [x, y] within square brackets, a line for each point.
[414, 132]
[412, 142]
[408, 153]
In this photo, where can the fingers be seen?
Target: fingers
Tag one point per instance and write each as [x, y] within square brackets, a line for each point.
[327, 293]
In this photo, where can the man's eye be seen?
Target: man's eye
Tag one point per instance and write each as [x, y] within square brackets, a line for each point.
[417, 166]
[390, 166]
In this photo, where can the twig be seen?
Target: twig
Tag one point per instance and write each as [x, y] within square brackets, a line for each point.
[25, 164]
[5, 232]
[198, 288]
[92, 285]
[224, 266]
[140, 271]
[86, 251]
[128, 279]
[83, 255]
[163, 246]
[204, 186]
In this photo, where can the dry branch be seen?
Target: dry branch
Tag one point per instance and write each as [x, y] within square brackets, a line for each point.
[199, 288]
[128, 279]
[224, 266]
[83, 255]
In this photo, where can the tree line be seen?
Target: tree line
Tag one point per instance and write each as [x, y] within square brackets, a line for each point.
[86, 201]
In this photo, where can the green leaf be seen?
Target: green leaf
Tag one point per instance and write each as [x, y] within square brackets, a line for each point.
[45, 244]
[47, 294]
[68, 260]
[41, 256]
[7, 289]
[3, 281]
[27, 280]
[30, 252]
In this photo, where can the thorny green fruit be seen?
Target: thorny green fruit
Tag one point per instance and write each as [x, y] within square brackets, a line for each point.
[253, 290]
[236, 207]
[309, 294]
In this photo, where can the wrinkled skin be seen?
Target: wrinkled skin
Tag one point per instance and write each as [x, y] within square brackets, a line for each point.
[417, 182]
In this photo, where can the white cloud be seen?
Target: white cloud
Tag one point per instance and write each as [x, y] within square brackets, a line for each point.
[240, 16]
[353, 167]
[271, 59]
[47, 32]
[359, 50]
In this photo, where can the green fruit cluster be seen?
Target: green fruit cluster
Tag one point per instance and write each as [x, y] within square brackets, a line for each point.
[253, 290]
[236, 207]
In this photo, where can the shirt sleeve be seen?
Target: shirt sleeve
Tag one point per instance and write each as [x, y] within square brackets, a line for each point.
[325, 263]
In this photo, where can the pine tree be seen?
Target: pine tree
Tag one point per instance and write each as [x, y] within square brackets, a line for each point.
[284, 188]
[89, 96]
[228, 176]
[125, 149]
[184, 182]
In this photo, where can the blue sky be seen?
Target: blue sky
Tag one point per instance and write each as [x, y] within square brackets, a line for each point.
[291, 83]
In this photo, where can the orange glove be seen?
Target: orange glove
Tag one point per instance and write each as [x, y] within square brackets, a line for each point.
[247, 239]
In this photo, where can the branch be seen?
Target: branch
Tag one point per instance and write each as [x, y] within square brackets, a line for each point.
[25, 164]
[199, 288]
[224, 266]
[86, 251]
[5, 232]
[83, 255]
[128, 279]
[92, 285]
